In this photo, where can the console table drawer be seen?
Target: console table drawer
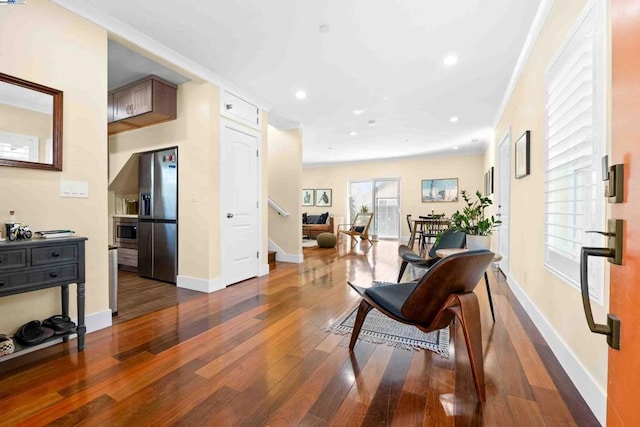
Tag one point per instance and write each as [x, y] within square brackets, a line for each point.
[54, 254]
[32, 278]
[13, 259]
[14, 280]
[65, 273]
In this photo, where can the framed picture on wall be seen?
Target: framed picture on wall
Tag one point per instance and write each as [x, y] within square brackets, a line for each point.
[522, 155]
[323, 197]
[488, 182]
[308, 197]
[440, 190]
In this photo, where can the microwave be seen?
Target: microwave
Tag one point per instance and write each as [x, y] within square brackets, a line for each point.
[125, 232]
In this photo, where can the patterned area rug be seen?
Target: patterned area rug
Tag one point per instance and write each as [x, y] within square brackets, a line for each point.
[380, 329]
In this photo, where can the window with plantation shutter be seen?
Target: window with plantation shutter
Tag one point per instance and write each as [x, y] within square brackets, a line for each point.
[575, 144]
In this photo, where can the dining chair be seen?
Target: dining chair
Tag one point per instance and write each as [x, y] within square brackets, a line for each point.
[444, 292]
[417, 236]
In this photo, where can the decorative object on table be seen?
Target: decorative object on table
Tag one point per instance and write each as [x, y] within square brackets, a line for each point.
[7, 345]
[323, 197]
[488, 182]
[15, 230]
[52, 234]
[327, 240]
[308, 197]
[440, 190]
[32, 333]
[474, 223]
[522, 155]
[380, 329]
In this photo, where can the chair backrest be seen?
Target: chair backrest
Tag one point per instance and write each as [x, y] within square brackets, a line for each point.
[361, 222]
[450, 239]
[455, 274]
[409, 223]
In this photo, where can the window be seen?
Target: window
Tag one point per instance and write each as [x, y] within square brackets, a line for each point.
[382, 196]
[575, 144]
[14, 146]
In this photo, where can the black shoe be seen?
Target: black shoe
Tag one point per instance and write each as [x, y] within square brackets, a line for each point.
[32, 333]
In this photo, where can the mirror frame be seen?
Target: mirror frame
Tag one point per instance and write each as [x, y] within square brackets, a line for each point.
[57, 126]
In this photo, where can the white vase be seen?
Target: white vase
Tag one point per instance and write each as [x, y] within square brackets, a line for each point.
[478, 242]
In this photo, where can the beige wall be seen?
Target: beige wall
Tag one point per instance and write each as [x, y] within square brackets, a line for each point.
[285, 174]
[559, 303]
[55, 48]
[468, 169]
[196, 134]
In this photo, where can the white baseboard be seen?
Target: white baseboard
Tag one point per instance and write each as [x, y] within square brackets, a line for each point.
[96, 321]
[200, 285]
[592, 393]
[264, 270]
[282, 256]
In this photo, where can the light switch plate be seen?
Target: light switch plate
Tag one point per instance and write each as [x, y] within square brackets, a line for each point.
[79, 189]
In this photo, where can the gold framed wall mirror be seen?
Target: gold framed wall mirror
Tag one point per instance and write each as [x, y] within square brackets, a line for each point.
[30, 124]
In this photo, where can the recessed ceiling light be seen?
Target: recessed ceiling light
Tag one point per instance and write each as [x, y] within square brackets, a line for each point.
[330, 148]
[386, 98]
[301, 94]
[358, 112]
[324, 28]
[450, 60]
[353, 133]
[455, 147]
[454, 119]
[372, 122]
[475, 140]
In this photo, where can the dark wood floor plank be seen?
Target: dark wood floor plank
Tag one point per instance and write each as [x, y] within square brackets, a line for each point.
[385, 401]
[257, 353]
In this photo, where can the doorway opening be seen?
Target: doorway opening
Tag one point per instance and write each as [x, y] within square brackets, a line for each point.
[382, 197]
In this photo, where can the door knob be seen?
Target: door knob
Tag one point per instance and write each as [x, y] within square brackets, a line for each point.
[229, 215]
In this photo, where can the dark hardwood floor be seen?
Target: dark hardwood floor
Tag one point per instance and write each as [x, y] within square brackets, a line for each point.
[257, 353]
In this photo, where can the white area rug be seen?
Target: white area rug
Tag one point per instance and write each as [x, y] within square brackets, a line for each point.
[380, 329]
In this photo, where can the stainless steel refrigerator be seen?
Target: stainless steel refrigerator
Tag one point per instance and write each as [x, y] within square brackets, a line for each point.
[158, 215]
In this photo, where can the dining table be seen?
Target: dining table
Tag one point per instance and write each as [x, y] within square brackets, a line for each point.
[428, 228]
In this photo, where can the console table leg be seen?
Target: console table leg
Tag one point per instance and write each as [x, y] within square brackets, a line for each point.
[81, 327]
[64, 294]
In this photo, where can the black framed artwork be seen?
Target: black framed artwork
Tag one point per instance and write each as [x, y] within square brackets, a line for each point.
[523, 163]
[488, 182]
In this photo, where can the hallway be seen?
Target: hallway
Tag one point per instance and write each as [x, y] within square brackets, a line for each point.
[256, 353]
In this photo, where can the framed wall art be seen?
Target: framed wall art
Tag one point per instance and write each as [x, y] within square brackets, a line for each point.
[308, 197]
[440, 190]
[522, 155]
[323, 197]
[488, 182]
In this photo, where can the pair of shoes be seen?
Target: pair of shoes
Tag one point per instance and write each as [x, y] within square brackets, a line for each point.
[6, 345]
[60, 324]
[32, 333]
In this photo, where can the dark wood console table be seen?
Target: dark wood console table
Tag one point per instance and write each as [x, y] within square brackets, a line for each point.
[31, 265]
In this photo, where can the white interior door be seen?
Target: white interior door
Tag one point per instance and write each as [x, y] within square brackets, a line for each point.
[504, 189]
[239, 202]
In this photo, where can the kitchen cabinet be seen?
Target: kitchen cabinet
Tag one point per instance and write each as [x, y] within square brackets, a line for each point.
[128, 259]
[142, 103]
[31, 265]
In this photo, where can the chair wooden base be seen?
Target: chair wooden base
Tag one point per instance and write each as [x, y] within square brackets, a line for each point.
[464, 307]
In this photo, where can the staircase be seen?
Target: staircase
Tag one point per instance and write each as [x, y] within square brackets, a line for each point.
[272, 259]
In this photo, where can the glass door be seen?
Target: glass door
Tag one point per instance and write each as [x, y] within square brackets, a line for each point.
[382, 196]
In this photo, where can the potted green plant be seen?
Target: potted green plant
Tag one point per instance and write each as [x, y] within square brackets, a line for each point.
[473, 221]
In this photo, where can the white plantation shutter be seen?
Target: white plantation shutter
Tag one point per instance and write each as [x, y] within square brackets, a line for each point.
[575, 144]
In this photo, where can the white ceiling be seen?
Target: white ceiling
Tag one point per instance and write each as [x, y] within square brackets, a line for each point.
[381, 56]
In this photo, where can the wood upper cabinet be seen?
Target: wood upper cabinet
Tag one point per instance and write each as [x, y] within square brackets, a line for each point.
[142, 103]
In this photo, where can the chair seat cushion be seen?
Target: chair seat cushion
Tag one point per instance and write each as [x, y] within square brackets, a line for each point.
[411, 257]
[392, 297]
